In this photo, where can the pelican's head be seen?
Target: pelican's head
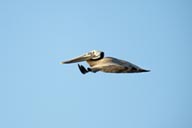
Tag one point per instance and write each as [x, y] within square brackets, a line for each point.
[92, 55]
[96, 55]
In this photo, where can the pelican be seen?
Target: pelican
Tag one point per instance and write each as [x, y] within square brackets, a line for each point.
[98, 62]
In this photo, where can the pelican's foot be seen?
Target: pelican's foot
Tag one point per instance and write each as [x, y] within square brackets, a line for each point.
[83, 69]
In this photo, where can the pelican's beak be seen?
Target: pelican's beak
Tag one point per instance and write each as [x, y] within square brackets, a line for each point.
[78, 59]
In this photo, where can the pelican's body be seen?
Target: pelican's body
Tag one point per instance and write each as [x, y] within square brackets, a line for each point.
[113, 65]
[98, 62]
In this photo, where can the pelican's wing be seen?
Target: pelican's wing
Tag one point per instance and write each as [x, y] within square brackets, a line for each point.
[117, 68]
[110, 68]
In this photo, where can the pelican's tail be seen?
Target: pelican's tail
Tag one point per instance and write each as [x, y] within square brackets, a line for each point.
[144, 70]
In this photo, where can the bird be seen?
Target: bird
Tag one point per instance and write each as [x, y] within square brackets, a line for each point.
[98, 62]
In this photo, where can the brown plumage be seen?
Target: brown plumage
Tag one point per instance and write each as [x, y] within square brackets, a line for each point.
[98, 62]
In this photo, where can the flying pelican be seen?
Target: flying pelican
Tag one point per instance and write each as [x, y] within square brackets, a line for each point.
[98, 62]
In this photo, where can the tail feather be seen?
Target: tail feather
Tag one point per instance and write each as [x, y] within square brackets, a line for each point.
[144, 70]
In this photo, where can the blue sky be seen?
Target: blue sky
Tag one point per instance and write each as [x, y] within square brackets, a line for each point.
[37, 92]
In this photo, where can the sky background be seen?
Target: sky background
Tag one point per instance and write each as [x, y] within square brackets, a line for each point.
[37, 92]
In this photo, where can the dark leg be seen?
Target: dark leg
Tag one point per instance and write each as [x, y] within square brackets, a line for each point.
[83, 69]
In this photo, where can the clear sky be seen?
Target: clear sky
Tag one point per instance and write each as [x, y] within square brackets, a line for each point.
[37, 92]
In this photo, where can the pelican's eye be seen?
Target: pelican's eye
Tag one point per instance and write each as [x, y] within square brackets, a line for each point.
[90, 54]
[93, 53]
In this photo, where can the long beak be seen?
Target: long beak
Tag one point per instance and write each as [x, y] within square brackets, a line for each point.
[78, 59]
